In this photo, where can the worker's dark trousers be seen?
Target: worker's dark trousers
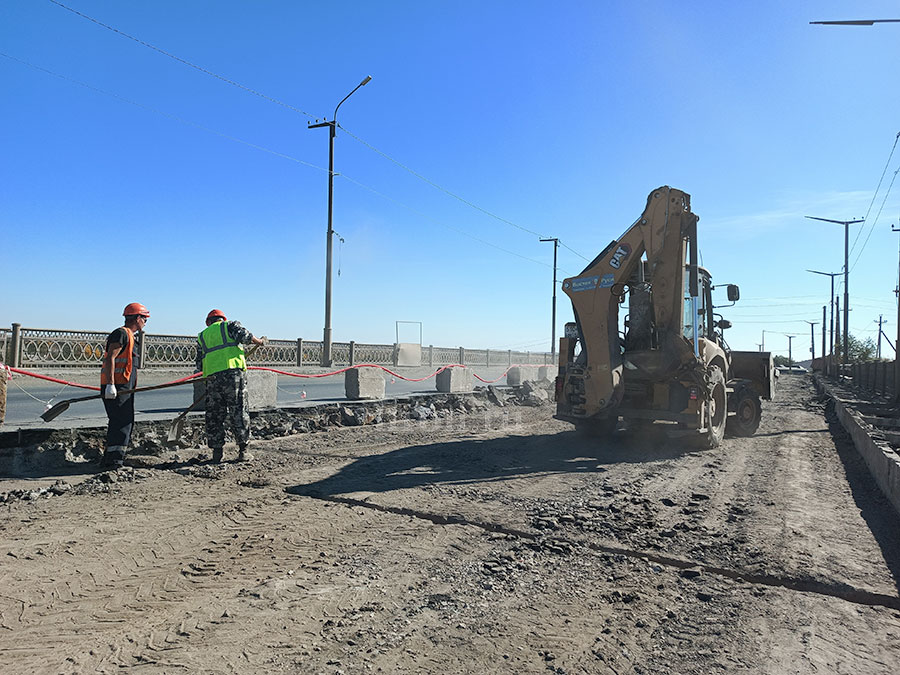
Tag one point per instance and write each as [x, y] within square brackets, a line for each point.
[120, 412]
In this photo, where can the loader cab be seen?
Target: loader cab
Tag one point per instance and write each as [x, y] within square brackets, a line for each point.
[705, 322]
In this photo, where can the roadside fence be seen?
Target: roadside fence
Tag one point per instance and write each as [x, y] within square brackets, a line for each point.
[875, 376]
[51, 348]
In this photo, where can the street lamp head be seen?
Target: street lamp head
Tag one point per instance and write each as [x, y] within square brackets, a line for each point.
[366, 81]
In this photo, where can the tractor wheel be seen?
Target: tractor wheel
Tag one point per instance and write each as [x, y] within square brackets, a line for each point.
[717, 409]
[748, 411]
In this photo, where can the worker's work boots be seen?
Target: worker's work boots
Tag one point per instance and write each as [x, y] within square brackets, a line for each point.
[217, 455]
[113, 458]
[243, 455]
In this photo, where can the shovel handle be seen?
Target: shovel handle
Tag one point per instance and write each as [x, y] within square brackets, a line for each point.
[176, 426]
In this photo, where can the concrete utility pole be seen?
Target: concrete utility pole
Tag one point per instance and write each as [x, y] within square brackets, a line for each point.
[831, 302]
[332, 130]
[837, 324]
[824, 362]
[812, 338]
[846, 224]
[790, 358]
[553, 319]
[897, 343]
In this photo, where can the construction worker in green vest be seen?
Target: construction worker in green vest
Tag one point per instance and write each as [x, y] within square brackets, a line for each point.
[220, 356]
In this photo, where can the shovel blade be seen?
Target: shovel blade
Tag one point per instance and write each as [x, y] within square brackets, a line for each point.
[55, 411]
[175, 429]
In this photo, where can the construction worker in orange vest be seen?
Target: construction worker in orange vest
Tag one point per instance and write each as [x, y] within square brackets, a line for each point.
[119, 373]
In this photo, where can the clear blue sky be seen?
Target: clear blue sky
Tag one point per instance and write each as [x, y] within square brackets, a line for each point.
[129, 175]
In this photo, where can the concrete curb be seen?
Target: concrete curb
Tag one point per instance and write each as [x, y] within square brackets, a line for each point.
[882, 460]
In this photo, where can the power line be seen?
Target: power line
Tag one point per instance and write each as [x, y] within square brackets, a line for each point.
[437, 222]
[260, 148]
[872, 228]
[183, 61]
[170, 116]
[772, 322]
[875, 194]
[271, 99]
[435, 185]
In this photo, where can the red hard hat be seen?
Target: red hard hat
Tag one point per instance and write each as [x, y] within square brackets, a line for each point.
[136, 309]
[216, 314]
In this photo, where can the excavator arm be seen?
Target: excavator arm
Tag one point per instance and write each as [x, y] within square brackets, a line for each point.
[666, 233]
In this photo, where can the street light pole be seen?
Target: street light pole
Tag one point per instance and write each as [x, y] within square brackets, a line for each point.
[830, 302]
[553, 319]
[812, 339]
[897, 349]
[846, 224]
[332, 130]
[790, 358]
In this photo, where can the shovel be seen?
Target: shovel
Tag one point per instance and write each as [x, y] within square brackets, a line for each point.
[59, 408]
[177, 425]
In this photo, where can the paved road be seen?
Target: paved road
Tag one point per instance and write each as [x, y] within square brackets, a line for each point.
[27, 398]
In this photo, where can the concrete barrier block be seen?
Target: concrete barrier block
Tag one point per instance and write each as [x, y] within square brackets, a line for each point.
[517, 375]
[364, 383]
[546, 373]
[262, 390]
[883, 462]
[454, 380]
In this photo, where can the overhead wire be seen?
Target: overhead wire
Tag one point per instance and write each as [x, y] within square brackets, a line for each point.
[272, 99]
[203, 70]
[266, 150]
[176, 118]
[872, 227]
[437, 222]
[875, 194]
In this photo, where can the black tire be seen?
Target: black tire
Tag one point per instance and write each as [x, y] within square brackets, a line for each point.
[748, 412]
[717, 406]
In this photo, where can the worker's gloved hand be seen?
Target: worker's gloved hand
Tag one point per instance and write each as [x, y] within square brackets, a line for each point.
[109, 391]
[265, 340]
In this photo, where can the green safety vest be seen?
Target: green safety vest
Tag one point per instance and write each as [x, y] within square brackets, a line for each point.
[220, 352]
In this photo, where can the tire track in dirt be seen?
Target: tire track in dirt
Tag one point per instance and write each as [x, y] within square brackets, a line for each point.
[807, 585]
[123, 591]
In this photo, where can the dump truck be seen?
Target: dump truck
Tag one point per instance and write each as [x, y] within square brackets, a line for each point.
[666, 360]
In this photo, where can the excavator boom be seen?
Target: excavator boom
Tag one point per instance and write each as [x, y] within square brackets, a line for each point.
[670, 364]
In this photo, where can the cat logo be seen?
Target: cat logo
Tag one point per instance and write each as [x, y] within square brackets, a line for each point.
[622, 252]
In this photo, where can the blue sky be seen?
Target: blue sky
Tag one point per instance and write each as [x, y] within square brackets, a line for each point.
[129, 175]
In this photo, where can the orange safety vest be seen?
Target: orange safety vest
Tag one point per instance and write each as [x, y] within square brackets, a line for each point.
[122, 364]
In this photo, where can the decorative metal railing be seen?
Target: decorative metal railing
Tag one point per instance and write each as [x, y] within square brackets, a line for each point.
[5, 336]
[442, 356]
[40, 347]
[168, 350]
[380, 354]
[52, 348]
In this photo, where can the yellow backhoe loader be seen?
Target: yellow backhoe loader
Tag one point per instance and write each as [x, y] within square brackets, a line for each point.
[668, 361]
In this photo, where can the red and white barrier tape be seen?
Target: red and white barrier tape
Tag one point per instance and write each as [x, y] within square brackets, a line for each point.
[10, 369]
[19, 371]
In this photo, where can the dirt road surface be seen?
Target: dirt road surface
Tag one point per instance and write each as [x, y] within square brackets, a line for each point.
[493, 542]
